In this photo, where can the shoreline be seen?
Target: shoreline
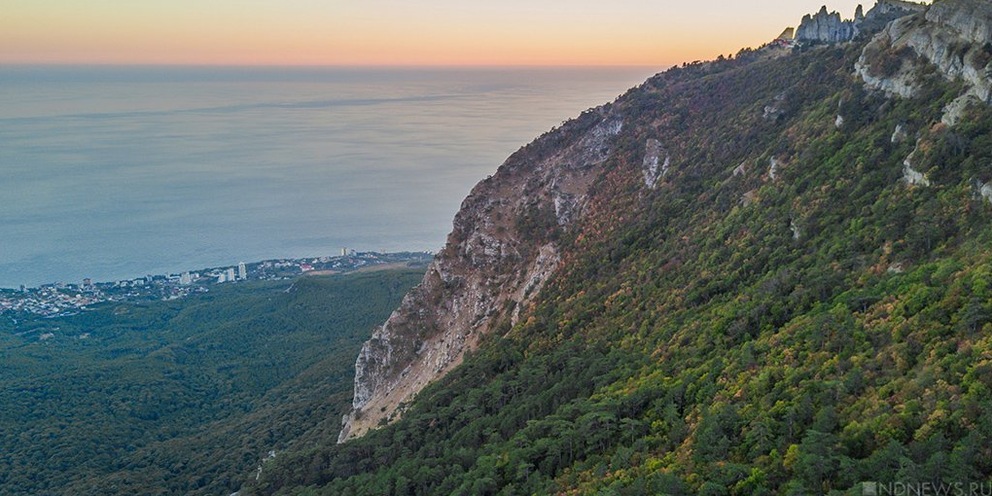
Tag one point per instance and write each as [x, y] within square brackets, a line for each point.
[62, 299]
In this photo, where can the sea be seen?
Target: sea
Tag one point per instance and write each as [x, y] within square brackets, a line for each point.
[115, 172]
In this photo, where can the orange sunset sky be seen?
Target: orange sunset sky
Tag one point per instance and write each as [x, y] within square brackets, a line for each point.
[390, 32]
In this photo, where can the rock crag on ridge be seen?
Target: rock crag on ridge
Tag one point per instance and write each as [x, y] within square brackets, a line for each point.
[829, 27]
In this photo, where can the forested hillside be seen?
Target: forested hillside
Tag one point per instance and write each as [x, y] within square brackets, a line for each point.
[781, 285]
[186, 396]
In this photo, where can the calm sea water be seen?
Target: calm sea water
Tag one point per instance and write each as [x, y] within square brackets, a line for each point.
[114, 173]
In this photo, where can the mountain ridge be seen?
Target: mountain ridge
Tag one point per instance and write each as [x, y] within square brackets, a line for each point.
[771, 282]
[429, 334]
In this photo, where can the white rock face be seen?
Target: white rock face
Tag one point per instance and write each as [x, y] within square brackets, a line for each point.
[774, 110]
[566, 207]
[653, 166]
[537, 274]
[839, 122]
[902, 83]
[983, 190]
[912, 176]
[986, 192]
[899, 135]
[972, 19]
[955, 111]
[886, 11]
[773, 168]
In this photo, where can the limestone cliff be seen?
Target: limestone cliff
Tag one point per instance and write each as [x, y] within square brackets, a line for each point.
[953, 35]
[886, 11]
[825, 26]
[498, 256]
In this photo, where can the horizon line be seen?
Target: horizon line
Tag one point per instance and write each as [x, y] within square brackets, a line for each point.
[325, 66]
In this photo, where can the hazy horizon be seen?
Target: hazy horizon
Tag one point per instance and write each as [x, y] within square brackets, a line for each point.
[388, 33]
[117, 172]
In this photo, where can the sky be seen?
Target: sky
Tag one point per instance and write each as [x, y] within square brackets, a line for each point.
[392, 32]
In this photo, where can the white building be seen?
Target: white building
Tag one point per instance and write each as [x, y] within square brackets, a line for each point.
[230, 274]
[242, 271]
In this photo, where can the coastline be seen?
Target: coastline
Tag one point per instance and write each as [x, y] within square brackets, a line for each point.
[62, 299]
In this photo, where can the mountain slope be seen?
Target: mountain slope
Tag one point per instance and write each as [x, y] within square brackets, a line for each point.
[503, 248]
[775, 282]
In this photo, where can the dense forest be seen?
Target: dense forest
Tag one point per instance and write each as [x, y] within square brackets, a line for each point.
[186, 396]
[784, 314]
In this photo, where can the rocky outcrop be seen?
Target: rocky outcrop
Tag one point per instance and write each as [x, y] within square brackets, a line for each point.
[886, 11]
[899, 134]
[983, 190]
[901, 82]
[971, 19]
[499, 255]
[955, 111]
[653, 166]
[956, 23]
[912, 176]
[829, 27]
[740, 170]
[773, 165]
[773, 111]
[953, 35]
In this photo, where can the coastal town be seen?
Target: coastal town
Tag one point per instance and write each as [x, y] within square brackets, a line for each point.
[64, 299]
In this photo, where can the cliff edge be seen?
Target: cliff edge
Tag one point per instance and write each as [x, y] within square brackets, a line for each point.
[500, 253]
